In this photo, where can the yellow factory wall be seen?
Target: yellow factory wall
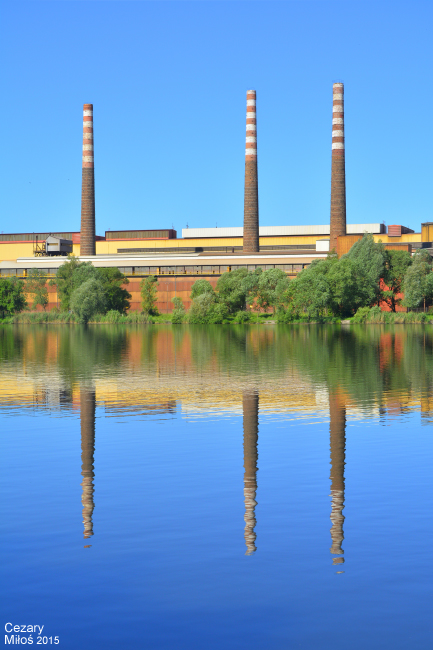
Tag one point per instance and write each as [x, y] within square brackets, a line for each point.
[11, 251]
[404, 239]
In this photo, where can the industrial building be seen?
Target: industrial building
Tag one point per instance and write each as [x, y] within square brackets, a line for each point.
[203, 252]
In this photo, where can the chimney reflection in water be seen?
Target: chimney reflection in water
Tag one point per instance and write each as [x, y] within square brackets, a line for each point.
[337, 413]
[250, 404]
[87, 403]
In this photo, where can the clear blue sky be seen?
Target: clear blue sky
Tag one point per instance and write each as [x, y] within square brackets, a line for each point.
[168, 83]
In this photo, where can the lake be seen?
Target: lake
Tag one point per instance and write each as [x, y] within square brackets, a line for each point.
[260, 487]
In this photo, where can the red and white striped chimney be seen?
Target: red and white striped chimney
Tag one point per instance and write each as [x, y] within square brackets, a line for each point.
[251, 197]
[338, 173]
[87, 238]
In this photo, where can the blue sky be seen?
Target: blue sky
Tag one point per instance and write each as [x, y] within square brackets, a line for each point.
[168, 82]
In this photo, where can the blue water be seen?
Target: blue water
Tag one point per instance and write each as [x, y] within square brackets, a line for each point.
[166, 565]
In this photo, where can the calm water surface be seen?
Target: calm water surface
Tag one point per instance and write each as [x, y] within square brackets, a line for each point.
[218, 487]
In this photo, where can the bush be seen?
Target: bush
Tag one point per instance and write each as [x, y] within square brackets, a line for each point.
[113, 316]
[361, 315]
[205, 310]
[178, 314]
[243, 317]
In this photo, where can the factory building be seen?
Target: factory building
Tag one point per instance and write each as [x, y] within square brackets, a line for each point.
[203, 252]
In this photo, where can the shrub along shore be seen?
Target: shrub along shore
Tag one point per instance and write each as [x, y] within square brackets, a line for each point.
[352, 289]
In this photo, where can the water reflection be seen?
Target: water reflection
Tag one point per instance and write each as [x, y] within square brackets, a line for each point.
[296, 371]
[250, 407]
[337, 430]
[87, 418]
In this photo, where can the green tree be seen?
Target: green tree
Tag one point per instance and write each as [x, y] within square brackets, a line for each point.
[74, 273]
[116, 296]
[396, 264]
[200, 287]
[272, 285]
[149, 293]
[12, 298]
[310, 292]
[345, 287]
[369, 259]
[236, 287]
[418, 281]
[88, 299]
[65, 281]
[36, 285]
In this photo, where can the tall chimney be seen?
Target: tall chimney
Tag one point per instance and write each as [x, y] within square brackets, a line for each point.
[338, 174]
[87, 238]
[251, 200]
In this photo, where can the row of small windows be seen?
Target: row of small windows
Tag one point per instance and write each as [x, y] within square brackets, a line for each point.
[139, 234]
[199, 269]
[206, 269]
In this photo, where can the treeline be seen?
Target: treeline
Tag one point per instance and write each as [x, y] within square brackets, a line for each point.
[329, 289]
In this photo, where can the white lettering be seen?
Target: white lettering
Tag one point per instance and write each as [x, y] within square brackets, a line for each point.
[10, 639]
[6, 627]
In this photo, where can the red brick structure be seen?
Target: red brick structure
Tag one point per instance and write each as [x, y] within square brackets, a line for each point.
[251, 197]
[87, 240]
[338, 173]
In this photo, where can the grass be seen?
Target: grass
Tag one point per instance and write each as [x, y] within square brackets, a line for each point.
[363, 315]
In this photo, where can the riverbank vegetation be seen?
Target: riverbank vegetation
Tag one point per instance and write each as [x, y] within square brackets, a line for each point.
[357, 286]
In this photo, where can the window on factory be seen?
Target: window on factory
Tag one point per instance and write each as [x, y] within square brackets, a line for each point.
[8, 271]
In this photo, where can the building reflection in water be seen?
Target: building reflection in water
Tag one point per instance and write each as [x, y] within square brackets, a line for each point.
[250, 404]
[337, 412]
[87, 404]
